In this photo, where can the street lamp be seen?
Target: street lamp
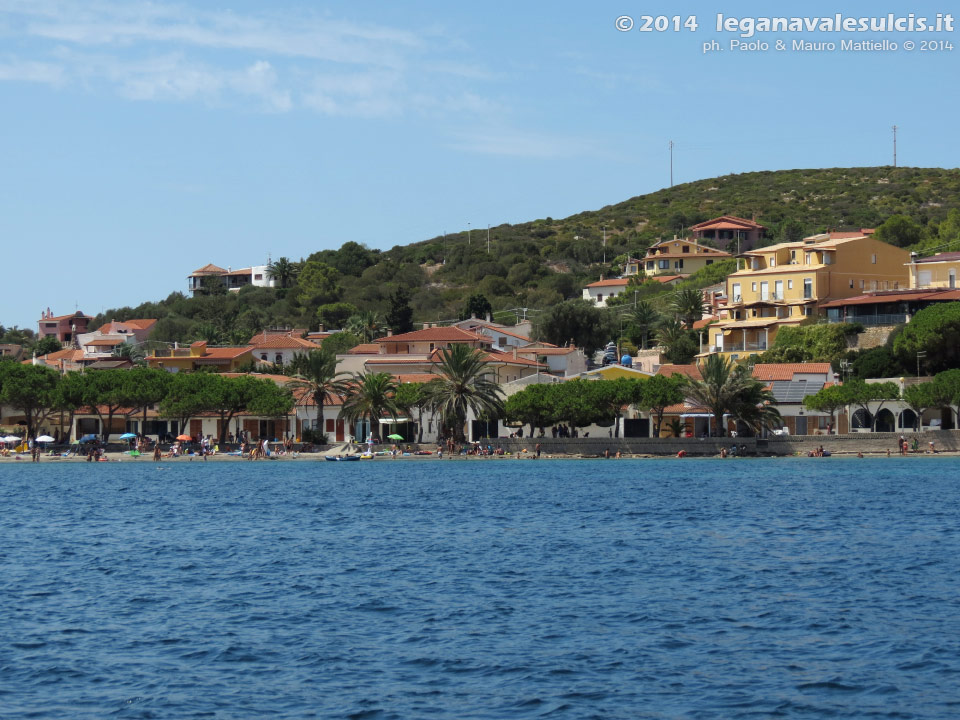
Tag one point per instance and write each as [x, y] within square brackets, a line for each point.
[920, 354]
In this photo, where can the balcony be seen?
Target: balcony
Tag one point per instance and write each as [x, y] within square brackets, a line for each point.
[758, 346]
[889, 319]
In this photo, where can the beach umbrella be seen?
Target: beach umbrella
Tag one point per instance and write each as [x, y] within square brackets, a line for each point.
[88, 438]
[394, 436]
[9, 438]
[44, 438]
[184, 438]
[128, 436]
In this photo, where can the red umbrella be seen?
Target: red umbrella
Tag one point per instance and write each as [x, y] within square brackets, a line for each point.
[184, 438]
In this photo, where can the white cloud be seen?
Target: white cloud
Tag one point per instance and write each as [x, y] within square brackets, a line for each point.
[267, 62]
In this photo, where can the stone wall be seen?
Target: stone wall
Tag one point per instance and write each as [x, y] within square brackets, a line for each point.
[871, 337]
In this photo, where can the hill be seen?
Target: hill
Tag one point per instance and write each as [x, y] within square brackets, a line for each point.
[537, 264]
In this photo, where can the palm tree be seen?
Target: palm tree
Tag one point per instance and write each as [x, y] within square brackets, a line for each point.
[464, 383]
[370, 396]
[642, 319]
[688, 304]
[283, 271]
[728, 389]
[132, 352]
[366, 324]
[316, 374]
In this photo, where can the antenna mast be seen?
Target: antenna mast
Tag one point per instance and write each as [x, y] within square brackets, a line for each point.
[894, 145]
[671, 163]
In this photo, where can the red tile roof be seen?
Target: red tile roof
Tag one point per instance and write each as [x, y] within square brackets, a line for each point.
[208, 269]
[106, 342]
[666, 278]
[285, 342]
[436, 334]
[690, 371]
[769, 372]
[613, 282]
[365, 349]
[703, 322]
[940, 257]
[121, 325]
[415, 377]
[726, 222]
[886, 296]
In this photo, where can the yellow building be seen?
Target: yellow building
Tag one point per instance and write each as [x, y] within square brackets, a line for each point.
[785, 284]
[680, 257]
[935, 271]
[198, 355]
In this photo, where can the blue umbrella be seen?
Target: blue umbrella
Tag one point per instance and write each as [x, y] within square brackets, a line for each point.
[88, 438]
[128, 436]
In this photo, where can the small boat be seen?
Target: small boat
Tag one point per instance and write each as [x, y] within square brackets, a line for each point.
[341, 458]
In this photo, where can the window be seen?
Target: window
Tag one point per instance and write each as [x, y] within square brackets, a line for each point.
[851, 282]
[861, 284]
[789, 284]
[433, 346]
[709, 262]
[258, 276]
[263, 356]
[753, 287]
[793, 256]
[678, 265]
[808, 288]
[764, 290]
[773, 262]
[806, 258]
[663, 264]
[686, 248]
[808, 311]
[599, 299]
[650, 265]
[873, 258]
[279, 359]
[735, 290]
[778, 290]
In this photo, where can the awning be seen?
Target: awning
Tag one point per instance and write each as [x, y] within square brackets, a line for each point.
[391, 421]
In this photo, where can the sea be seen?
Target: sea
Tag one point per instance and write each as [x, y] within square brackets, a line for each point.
[484, 588]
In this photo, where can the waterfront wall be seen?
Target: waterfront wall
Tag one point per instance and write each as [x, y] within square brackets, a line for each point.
[944, 440]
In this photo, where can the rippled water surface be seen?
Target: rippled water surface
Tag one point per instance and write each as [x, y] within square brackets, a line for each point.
[485, 589]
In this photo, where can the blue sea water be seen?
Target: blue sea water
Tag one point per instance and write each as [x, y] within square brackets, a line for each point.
[481, 589]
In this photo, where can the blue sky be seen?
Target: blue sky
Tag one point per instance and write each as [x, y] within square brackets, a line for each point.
[141, 140]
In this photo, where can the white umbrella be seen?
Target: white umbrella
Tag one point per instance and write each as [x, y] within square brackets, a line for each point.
[44, 438]
[10, 438]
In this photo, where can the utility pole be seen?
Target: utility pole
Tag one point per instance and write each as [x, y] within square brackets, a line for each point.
[604, 244]
[488, 238]
[468, 233]
[444, 247]
[671, 163]
[894, 145]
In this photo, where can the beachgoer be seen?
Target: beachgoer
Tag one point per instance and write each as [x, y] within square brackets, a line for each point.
[537, 448]
[859, 454]
[156, 452]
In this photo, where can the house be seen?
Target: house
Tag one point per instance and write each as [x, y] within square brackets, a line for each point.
[785, 284]
[680, 257]
[233, 280]
[790, 383]
[729, 232]
[280, 349]
[104, 341]
[502, 337]
[599, 292]
[62, 360]
[63, 327]
[934, 271]
[198, 355]
[562, 361]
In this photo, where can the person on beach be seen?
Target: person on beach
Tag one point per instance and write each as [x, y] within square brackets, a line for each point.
[933, 448]
[156, 453]
[537, 448]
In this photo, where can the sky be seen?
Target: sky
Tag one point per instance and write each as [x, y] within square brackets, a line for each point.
[142, 140]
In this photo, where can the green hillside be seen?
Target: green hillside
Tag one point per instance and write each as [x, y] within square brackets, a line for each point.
[537, 264]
